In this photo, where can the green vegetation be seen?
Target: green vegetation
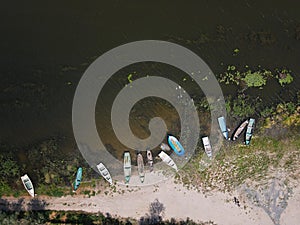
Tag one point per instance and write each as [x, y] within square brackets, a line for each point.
[242, 106]
[284, 77]
[287, 114]
[73, 217]
[236, 164]
[254, 78]
[10, 173]
[52, 171]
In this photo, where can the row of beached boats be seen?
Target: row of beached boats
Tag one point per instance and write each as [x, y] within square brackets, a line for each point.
[248, 124]
[173, 144]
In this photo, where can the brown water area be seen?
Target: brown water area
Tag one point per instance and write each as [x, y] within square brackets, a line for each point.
[46, 47]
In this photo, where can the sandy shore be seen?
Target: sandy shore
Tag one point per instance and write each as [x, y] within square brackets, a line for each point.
[179, 203]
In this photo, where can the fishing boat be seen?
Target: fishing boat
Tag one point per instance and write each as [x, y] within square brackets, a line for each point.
[167, 159]
[240, 129]
[175, 145]
[222, 124]
[150, 159]
[28, 184]
[127, 167]
[164, 147]
[140, 163]
[104, 172]
[249, 131]
[207, 146]
[78, 179]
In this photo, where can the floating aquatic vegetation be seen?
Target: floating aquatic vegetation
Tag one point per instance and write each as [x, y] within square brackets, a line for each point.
[231, 76]
[129, 77]
[254, 79]
[236, 51]
[284, 77]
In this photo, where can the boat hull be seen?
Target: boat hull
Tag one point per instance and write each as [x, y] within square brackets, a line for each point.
[104, 172]
[239, 130]
[175, 145]
[127, 167]
[78, 178]
[140, 163]
[207, 146]
[167, 159]
[150, 160]
[164, 147]
[249, 131]
[222, 124]
[28, 184]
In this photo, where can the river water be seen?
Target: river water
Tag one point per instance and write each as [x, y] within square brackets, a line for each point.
[46, 47]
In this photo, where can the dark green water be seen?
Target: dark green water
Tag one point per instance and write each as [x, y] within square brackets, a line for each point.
[46, 47]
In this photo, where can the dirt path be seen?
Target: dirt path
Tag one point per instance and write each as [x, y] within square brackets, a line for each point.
[178, 202]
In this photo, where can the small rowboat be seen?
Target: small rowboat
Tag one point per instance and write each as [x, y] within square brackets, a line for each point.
[207, 146]
[175, 145]
[140, 163]
[222, 124]
[249, 131]
[164, 147]
[104, 172]
[127, 167]
[78, 179]
[239, 130]
[150, 160]
[167, 159]
[28, 184]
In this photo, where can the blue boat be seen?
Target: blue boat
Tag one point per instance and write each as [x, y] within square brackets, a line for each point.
[222, 124]
[249, 131]
[78, 179]
[175, 145]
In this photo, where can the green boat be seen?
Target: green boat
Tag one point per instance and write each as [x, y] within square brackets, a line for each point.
[249, 131]
[78, 179]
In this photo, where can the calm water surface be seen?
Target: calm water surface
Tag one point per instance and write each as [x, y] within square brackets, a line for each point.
[46, 47]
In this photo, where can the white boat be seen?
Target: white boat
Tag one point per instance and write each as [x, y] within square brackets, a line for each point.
[207, 146]
[164, 147]
[104, 172]
[28, 184]
[167, 159]
[140, 163]
[239, 130]
[127, 167]
[150, 160]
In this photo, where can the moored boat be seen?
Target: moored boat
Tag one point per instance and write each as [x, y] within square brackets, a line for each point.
[78, 179]
[127, 167]
[175, 145]
[222, 124]
[239, 130]
[28, 184]
[150, 160]
[249, 131]
[104, 172]
[207, 146]
[164, 147]
[140, 163]
[167, 159]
